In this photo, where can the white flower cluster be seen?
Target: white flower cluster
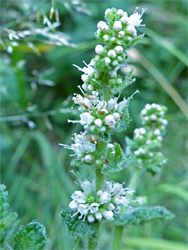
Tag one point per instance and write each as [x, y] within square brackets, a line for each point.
[99, 115]
[83, 146]
[151, 134]
[110, 55]
[104, 204]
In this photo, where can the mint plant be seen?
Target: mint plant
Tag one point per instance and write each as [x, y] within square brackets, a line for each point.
[101, 113]
[30, 237]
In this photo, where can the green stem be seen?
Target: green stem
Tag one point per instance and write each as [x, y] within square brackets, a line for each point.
[119, 229]
[117, 237]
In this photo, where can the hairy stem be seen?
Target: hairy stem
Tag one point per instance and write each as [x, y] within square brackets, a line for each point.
[117, 237]
[93, 242]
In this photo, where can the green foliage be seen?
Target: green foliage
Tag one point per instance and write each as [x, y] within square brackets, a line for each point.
[31, 237]
[77, 228]
[8, 221]
[143, 214]
[116, 159]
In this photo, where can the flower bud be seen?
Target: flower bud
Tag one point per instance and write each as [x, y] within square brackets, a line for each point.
[108, 215]
[73, 205]
[119, 49]
[120, 12]
[98, 216]
[90, 218]
[116, 116]
[112, 53]
[98, 123]
[111, 206]
[88, 158]
[107, 60]
[99, 49]
[121, 34]
[84, 77]
[107, 11]
[100, 24]
[117, 25]
[109, 120]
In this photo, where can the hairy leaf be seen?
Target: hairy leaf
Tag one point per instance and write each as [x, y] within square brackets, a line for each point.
[116, 160]
[77, 228]
[30, 237]
[8, 221]
[143, 214]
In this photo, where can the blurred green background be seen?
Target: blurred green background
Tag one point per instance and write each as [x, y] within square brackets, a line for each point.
[37, 83]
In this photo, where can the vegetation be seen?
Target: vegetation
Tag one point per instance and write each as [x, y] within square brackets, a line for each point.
[37, 83]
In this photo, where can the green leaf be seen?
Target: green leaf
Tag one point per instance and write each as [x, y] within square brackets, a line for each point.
[152, 244]
[77, 228]
[116, 160]
[8, 221]
[31, 237]
[143, 214]
[134, 41]
[78, 163]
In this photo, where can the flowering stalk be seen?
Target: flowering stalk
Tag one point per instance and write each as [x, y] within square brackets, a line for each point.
[101, 114]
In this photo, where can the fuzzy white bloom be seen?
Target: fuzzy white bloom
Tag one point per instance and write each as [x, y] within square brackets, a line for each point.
[84, 77]
[86, 118]
[88, 158]
[99, 192]
[105, 197]
[99, 49]
[90, 87]
[98, 123]
[135, 19]
[148, 106]
[108, 215]
[132, 30]
[143, 112]
[112, 53]
[84, 86]
[107, 60]
[110, 121]
[117, 25]
[91, 218]
[164, 122]
[73, 205]
[153, 117]
[120, 12]
[101, 24]
[98, 216]
[116, 116]
[83, 210]
[106, 38]
[124, 18]
[94, 207]
[122, 105]
[112, 103]
[107, 11]
[119, 49]
[121, 34]
[142, 131]
[115, 63]
[157, 132]
[79, 197]
[111, 206]
[114, 72]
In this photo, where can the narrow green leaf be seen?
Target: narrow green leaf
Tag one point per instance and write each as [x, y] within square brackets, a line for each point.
[31, 237]
[175, 190]
[143, 214]
[152, 243]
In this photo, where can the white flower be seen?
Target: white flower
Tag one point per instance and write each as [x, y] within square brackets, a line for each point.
[103, 129]
[84, 86]
[114, 73]
[73, 205]
[98, 216]
[112, 53]
[120, 12]
[99, 49]
[111, 206]
[117, 25]
[122, 105]
[122, 201]
[108, 215]
[90, 218]
[135, 19]
[164, 122]
[148, 106]
[98, 123]
[124, 18]
[119, 49]
[107, 60]
[99, 192]
[87, 187]
[153, 117]
[83, 210]
[142, 131]
[109, 120]
[132, 30]
[79, 197]
[157, 132]
[86, 118]
[90, 87]
[88, 158]
[94, 207]
[106, 38]
[121, 34]
[143, 112]
[112, 103]
[105, 197]
[107, 11]
[84, 77]
[116, 116]
[100, 24]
